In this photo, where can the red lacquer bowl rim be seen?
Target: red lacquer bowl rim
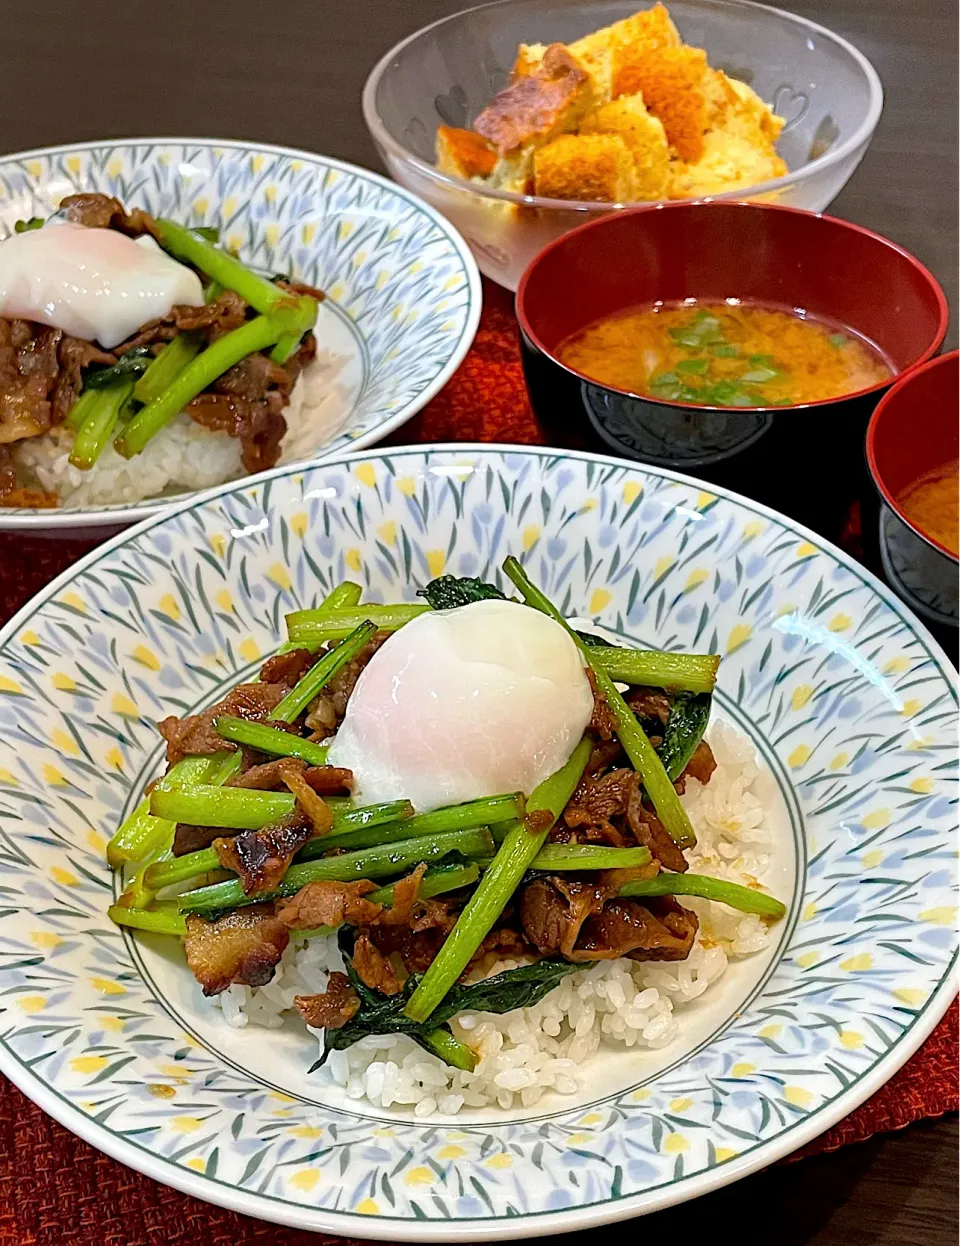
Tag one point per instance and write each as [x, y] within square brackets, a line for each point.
[904, 381]
[701, 205]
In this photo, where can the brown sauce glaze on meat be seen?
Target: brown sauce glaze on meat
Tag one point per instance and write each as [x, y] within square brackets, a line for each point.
[329, 780]
[287, 668]
[650, 831]
[195, 735]
[586, 921]
[657, 928]
[373, 968]
[333, 1008]
[314, 807]
[261, 858]
[243, 947]
[190, 838]
[104, 212]
[330, 904]
[40, 377]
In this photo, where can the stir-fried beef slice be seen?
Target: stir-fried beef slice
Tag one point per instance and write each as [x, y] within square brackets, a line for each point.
[417, 949]
[313, 806]
[330, 904]
[104, 212]
[438, 915]
[263, 778]
[603, 754]
[337, 1005]
[211, 320]
[28, 372]
[254, 377]
[256, 424]
[553, 910]
[190, 838]
[244, 947]
[300, 287]
[73, 355]
[329, 780]
[195, 735]
[702, 764]
[373, 968]
[641, 930]
[326, 710]
[650, 832]
[504, 940]
[226, 312]
[261, 858]
[648, 703]
[597, 801]
[40, 376]
[405, 893]
[287, 668]
[603, 722]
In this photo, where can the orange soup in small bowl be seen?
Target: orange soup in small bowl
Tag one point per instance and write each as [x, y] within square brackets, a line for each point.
[913, 446]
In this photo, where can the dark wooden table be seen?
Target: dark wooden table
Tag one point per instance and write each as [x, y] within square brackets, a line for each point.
[291, 72]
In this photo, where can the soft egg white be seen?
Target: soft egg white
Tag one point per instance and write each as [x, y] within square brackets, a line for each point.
[460, 704]
[95, 284]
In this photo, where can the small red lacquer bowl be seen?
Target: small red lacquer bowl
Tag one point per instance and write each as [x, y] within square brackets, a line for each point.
[912, 433]
[806, 460]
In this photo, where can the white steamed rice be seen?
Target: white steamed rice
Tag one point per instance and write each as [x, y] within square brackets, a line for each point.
[547, 1047]
[183, 455]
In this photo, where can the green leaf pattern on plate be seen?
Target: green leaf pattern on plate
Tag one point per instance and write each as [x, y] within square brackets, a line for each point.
[840, 684]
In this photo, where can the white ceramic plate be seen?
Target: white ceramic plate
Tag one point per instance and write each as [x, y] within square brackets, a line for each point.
[404, 290]
[849, 702]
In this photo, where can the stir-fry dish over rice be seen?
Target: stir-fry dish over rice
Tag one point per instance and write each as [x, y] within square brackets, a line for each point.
[137, 357]
[464, 842]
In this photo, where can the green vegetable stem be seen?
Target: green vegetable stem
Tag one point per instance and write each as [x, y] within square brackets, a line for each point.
[642, 755]
[746, 899]
[381, 861]
[313, 627]
[498, 884]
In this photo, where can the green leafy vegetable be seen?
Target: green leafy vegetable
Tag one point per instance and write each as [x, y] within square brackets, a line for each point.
[838, 340]
[127, 368]
[685, 727]
[449, 591]
[385, 1014]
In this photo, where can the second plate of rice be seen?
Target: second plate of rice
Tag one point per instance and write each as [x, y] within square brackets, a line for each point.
[402, 306]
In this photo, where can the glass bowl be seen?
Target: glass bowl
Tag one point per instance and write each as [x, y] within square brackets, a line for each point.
[828, 92]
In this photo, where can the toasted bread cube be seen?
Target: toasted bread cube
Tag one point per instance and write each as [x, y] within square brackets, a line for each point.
[529, 57]
[680, 88]
[729, 162]
[462, 153]
[748, 114]
[537, 107]
[644, 32]
[592, 167]
[645, 138]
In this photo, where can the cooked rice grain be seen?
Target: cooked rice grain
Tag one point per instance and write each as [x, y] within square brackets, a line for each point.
[184, 455]
[528, 1052]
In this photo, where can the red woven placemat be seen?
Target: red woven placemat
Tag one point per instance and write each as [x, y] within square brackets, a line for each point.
[57, 1191]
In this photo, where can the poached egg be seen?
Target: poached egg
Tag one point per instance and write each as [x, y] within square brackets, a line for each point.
[95, 284]
[460, 704]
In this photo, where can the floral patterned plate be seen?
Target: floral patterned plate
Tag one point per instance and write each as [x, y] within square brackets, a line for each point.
[848, 701]
[404, 290]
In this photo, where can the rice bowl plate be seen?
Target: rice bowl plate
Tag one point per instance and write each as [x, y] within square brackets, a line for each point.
[630, 1086]
[403, 301]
